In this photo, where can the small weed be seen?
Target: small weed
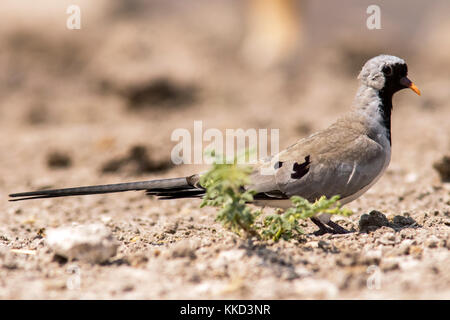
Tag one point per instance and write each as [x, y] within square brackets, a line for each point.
[224, 184]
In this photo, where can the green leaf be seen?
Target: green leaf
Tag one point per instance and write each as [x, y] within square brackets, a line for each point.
[225, 190]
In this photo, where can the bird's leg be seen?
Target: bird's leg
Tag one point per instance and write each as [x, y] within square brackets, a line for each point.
[323, 229]
[333, 227]
[337, 228]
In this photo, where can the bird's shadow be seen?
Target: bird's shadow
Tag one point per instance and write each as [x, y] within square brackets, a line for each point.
[270, 258]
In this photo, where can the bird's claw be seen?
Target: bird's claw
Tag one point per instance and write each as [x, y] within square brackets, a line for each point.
[331, 227]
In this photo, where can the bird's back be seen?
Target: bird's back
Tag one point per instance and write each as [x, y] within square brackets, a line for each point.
[341, 160]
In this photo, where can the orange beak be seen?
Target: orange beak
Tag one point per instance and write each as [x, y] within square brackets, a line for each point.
[409, 84]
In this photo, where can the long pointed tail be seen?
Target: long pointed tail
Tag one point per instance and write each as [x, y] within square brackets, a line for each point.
[163, 188]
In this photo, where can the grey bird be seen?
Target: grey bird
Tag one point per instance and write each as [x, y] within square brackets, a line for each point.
[345, 159]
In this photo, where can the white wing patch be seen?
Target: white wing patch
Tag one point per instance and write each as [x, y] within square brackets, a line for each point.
[353, 172]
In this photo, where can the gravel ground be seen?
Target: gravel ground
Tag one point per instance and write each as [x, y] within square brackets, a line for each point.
[99, 105]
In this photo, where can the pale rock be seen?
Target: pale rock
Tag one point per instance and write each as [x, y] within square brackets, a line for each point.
[91, 243]
[432, 242]
[387, 239]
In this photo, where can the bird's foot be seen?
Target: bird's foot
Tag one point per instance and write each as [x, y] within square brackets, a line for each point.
[323, 229]
[331, 227]
[337, 229]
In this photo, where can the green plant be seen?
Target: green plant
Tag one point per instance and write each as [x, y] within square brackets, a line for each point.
[286, 224]
[224, 190]
[224, 184]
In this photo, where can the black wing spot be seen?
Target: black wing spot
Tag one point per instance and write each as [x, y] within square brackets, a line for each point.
[278, 165]
[271, 195]
[301, 169]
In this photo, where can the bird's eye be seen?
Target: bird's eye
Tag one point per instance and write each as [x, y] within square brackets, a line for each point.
[387, 70]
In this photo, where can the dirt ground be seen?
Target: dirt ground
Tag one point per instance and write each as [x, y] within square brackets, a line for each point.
[98, 105]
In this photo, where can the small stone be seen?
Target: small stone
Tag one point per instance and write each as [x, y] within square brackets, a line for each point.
[402, 221]
[407, 233]
[411, 177]
[432, 242]
[405, 246]
[325, 246]
[92, 243]
[105, 219]
[373, 255]
[443, 168]
[312, 245]
[182, 249]
[171, 228]
[416, 251]
[387, 239]
[372, 221]
[226, 258]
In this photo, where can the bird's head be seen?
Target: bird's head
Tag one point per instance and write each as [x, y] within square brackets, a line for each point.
[386, 73]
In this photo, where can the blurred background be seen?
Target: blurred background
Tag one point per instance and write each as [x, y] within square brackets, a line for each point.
[103, 100]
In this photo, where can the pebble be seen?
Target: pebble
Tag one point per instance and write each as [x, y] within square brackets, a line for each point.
[387, 239]
[407, 233]
[171, 228]
[372, 221]
[403, 221]
[92, 243]
[416, 251]
[184, 248]
[432, 242]
[405, 246]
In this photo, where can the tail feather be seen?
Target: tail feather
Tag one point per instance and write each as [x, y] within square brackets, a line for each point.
[151, 186]
[177, 194]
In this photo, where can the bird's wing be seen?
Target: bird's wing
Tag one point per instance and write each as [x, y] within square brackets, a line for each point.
[328, 163]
